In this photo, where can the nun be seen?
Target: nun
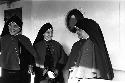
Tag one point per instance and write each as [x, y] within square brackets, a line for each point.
[17, 53]
[89, 58]
[51, 57]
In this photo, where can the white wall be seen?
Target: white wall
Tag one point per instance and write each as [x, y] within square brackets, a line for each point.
[109, 15]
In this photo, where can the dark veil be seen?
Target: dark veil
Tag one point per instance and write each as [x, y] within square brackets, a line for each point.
[78, 16]
[43, 29]
[103, 62]
[5, 30]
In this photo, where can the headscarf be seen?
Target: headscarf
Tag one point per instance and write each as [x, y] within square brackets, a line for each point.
[103, 63]
[78, 15]
[43, 29]
[15, 19]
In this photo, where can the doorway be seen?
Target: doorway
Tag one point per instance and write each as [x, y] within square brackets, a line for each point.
[11, 12]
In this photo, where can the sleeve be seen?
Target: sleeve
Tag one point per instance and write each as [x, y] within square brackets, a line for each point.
[86, 61]
[32, 52]
[32, 60]
[86, 57]
[37, 58]
[62, 60]
[25, 41]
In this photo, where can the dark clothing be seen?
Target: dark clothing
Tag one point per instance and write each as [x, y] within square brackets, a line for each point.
[87, 56]
[55, 58]
[26, 55]
[38, 74]
[49, 60]
[16, 56]
[15, 76]
[28, 46]
[10, 76]
[11, 52]
[56, 49]
[9, 58]
[73, 57]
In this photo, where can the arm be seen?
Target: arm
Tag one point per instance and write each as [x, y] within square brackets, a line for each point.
[63, 59]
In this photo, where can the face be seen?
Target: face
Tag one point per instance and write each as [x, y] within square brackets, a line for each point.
[48, 34]
[13, 28]
[72, 21]
[81, 34]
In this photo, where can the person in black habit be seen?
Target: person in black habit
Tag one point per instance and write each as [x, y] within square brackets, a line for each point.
[51, 57]
[89, 58]
[17, 53]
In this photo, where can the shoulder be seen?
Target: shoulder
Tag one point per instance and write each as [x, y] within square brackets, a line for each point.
[56, 44]
[88, 44]
[79, 42]
[23, 38]
[6, 37]
[40, 43]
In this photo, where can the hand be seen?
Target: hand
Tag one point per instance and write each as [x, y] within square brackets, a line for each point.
[30, 69]
[51, 74]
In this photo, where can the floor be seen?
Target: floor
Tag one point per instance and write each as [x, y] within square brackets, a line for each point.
[119, 78]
